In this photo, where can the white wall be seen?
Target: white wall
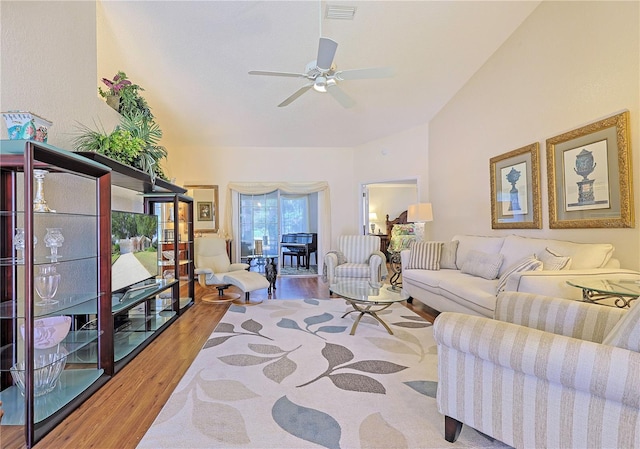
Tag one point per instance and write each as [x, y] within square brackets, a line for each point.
[219, 166]
[48, 66]
[403, 155]
[569, 64]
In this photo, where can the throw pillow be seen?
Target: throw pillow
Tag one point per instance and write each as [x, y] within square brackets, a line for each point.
[482, 264]
[403, 229]
[552, 261]
[448, 255]
[626, 333]
[425, 255]
[529, 263]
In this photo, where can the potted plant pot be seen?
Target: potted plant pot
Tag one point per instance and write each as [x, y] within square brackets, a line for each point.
[114, 101]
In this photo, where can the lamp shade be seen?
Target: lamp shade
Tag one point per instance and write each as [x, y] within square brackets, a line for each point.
[419, 213]
[373, 216]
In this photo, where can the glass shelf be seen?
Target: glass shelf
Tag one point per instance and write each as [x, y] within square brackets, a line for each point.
[135, 297]
[72, 343]
[138, 330]
[79, 304]
[71, 384]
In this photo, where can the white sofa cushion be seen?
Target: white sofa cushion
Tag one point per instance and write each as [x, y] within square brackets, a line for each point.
[529, 263]
[465, 289]
[583, 255]
[482, 264]
[467, 243]
[448, 255]
[553, 261]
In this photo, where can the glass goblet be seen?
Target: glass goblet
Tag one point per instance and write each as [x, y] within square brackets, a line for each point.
[46, 285]
[54, 239]
[19, 242]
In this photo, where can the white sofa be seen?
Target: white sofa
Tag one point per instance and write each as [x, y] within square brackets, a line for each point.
[454, 290]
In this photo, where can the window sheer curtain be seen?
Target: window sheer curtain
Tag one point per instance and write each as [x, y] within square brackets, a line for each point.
[234, 189]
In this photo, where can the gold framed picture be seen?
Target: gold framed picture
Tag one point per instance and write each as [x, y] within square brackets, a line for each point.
[206, 212]
[515, 189]
[589, 176]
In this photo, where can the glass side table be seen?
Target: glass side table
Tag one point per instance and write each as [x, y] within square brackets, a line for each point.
[621, 291]
[395, 263]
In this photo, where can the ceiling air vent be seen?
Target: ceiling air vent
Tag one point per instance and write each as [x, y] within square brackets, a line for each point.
[340, 12]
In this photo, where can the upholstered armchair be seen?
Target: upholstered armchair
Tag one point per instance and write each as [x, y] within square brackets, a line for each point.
[546, 372]
[212, 264]
[356, 257]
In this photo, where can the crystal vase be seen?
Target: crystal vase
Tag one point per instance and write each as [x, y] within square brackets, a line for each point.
[46, 284]
[39, 203]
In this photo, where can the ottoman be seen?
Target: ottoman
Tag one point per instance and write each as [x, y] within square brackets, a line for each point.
[247, 281]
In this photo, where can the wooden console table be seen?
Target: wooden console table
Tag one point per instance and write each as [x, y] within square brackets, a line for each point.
[384, 242]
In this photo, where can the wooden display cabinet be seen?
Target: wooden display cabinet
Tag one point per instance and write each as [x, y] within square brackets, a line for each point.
[46, 191]
[176, 239]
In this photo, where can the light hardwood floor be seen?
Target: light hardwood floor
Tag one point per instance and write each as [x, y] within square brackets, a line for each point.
[118, 415]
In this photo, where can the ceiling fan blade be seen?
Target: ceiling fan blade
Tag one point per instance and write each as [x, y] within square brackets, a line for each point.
[297, 93]
[262, 72]
[357, 74]
[326, 53]
[345, 100]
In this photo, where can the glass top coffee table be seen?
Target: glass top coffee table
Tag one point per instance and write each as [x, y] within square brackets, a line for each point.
[367, 299]
[621, 291]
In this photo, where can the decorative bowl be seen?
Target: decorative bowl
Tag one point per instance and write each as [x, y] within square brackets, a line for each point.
[26, 125]
[170, 255]
[46, 372]
[50, 331]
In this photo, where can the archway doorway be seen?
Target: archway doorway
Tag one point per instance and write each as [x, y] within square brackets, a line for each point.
[382, 198]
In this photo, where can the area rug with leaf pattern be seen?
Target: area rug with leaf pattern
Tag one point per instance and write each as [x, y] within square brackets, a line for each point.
[287, 374]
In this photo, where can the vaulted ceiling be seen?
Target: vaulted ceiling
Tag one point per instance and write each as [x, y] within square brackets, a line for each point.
[193, 58]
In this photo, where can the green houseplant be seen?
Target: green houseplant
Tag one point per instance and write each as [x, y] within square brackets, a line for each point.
[135, 141]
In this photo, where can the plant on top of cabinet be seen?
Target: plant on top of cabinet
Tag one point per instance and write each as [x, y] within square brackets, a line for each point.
[124, 96]
[135, 141]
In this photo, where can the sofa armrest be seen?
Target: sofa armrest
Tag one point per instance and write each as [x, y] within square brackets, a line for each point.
[597, 369]
[329, 267]
[561, 316]
[404, 258]
[377, 267]
[554, 283]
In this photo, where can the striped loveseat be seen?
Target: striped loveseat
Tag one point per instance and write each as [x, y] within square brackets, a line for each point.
[546, 372]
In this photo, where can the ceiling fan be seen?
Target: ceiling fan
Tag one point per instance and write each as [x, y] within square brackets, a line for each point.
[324, 77]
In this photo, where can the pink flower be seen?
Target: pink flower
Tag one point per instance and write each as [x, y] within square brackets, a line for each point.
[118, 82]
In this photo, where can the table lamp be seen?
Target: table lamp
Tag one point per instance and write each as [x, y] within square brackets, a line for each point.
[420, 213]
[373, 217]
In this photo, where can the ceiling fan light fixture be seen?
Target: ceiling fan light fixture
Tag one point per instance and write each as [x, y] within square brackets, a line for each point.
[320, 85]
